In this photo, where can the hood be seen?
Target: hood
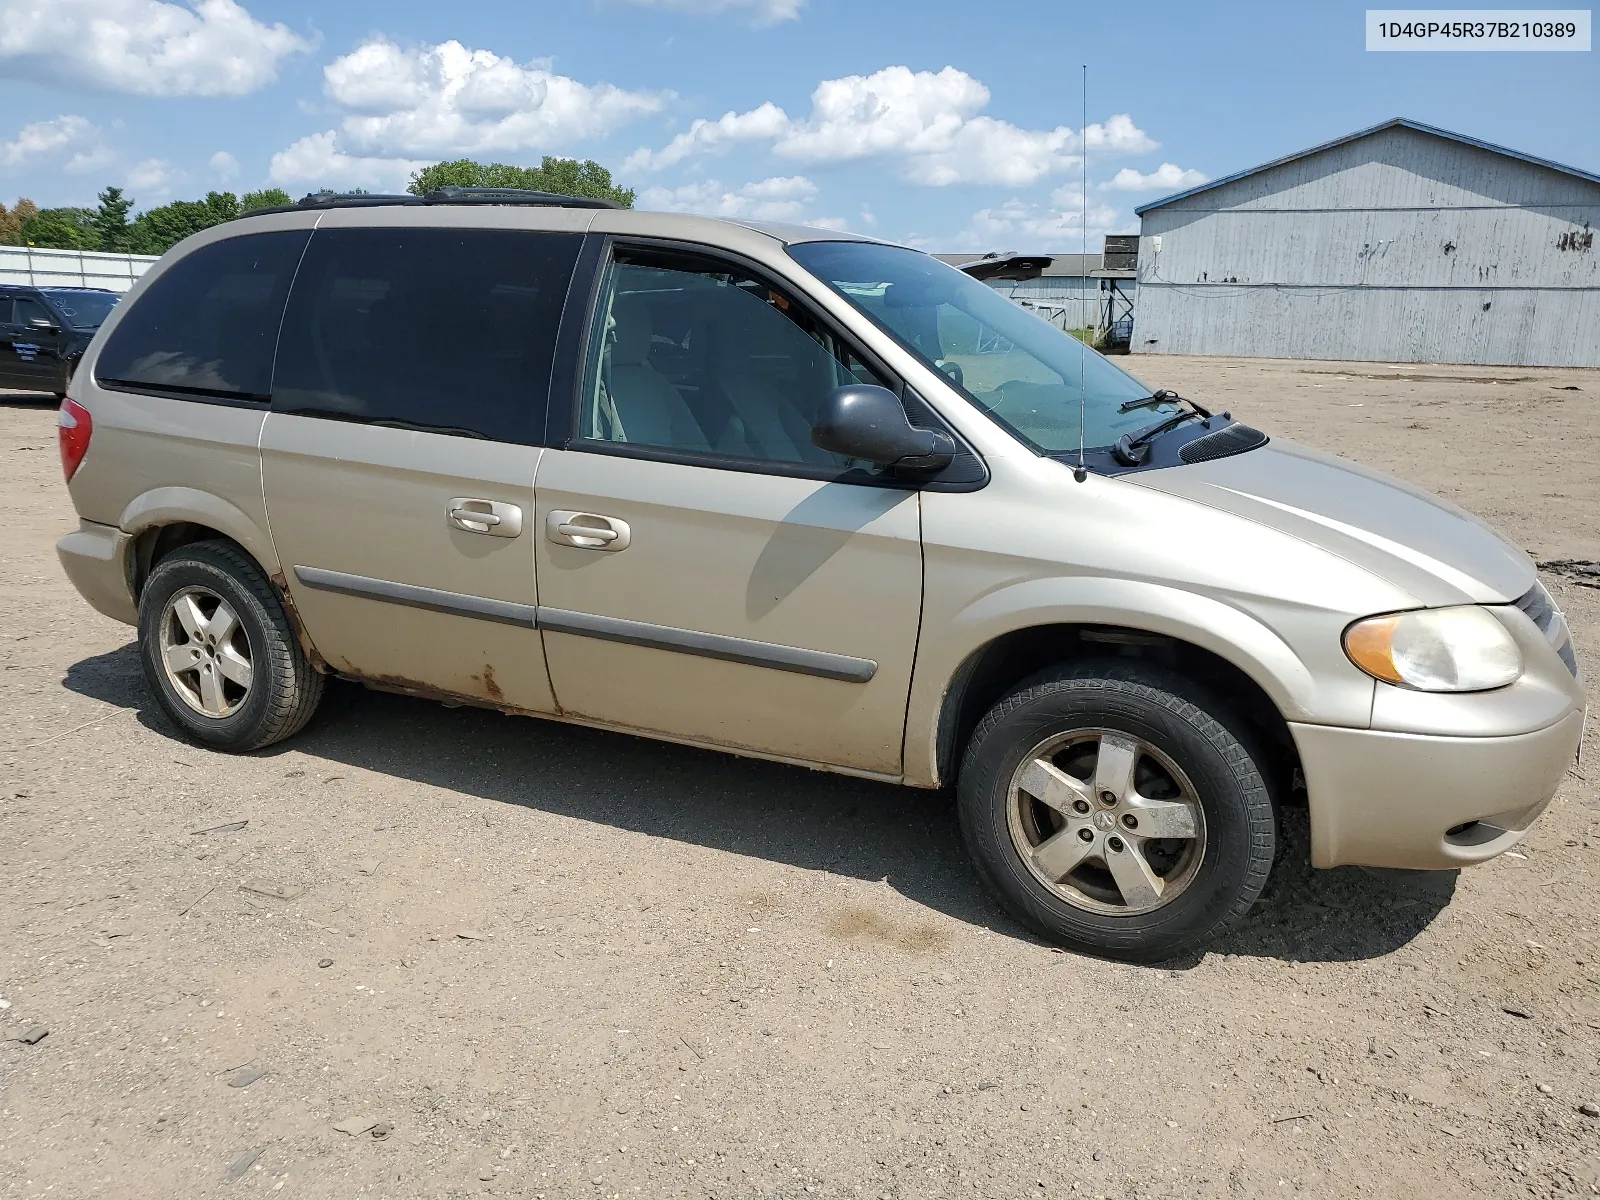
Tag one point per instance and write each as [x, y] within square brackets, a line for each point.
[1432, 549]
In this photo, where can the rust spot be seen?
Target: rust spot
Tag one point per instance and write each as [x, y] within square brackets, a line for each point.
[1449, 247]
[401, 685]
[281, 586]
[489, 685]
[853, 920]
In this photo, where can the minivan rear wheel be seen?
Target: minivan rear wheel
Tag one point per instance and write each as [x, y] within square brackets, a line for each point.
[1117, 809]
[219, 652]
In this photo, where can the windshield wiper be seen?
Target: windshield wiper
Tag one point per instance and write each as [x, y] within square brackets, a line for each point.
[1133, 448]
[1161, 396]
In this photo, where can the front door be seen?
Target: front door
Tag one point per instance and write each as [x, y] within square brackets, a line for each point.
[704, 571]
[399, 457]
[11, 367]
[33, 358]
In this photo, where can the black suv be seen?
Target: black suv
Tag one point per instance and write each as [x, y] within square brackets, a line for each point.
[44, 331]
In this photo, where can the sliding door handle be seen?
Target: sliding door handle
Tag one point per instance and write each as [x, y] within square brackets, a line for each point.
[489, 517]
[587, 531]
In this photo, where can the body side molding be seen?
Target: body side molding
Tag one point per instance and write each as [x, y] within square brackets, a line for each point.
[611, 629]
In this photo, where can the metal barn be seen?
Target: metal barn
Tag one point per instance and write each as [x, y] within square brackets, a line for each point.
[1400, 243]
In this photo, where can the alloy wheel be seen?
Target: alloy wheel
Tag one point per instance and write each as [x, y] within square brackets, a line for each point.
[205, 652]
[1106, 821]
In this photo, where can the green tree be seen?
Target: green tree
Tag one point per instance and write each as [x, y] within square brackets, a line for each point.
[111, 220]
[157, 230]
[266, 198]
[564, 176]
[61, 229]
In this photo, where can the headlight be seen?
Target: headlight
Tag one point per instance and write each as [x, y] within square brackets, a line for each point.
[1436, 650]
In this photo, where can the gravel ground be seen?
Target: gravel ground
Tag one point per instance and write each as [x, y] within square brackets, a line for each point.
[544, 961]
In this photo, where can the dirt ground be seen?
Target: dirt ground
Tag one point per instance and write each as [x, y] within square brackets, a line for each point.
[553, 962]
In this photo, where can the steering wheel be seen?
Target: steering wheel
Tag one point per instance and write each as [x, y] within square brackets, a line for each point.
[952, 369]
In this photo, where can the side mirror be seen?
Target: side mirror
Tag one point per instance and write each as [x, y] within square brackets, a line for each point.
[44, 325]
[862, 420]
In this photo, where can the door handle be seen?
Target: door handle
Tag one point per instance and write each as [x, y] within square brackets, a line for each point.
[587, 531]
[489, 517]
[577, 531]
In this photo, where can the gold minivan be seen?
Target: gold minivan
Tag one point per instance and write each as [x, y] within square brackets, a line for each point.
[811, 497]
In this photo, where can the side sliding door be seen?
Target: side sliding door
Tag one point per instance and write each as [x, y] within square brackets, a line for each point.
[398, 458]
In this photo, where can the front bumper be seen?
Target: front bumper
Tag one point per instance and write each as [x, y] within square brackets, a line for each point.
[1423, 801]
[95, 558]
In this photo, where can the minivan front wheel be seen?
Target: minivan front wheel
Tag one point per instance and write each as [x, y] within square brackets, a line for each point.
[219, 652]
[1113, 808]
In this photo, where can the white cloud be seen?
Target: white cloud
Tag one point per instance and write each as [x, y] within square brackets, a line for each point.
[151, 175]
[447, 99]
[894, 111]
[1167, 177]
[225, 165]
[781, 198]
[761, 12]
[931, 123]
[47, 138]
[1120, 135]
[317, 160]
[984, 150]
[94, 157]
[1057, 226]
[145, 47]
[709, 137]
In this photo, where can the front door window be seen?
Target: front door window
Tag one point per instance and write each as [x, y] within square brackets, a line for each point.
[700, 358]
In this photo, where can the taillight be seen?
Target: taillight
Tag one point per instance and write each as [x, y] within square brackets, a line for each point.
[74, 426]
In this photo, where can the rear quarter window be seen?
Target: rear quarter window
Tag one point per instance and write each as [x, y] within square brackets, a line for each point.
[207, 326]
[443, 330]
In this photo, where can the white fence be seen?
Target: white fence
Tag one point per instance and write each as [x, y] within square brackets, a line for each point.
[71, 268]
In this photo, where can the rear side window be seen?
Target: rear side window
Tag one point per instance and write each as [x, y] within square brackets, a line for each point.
[207, 326]
[443, 330]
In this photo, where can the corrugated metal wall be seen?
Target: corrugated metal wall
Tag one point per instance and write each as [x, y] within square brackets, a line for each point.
[71, 268]
[1398, 247]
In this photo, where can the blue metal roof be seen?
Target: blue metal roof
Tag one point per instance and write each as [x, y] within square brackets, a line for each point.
[1400, 122]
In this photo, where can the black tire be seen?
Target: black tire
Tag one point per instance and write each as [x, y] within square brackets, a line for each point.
[285, 688]
[1184, 723]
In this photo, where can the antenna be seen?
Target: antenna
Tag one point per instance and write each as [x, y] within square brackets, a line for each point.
[1082, 473]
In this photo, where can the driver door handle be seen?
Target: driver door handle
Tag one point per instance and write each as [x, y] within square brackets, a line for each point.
[587, 531]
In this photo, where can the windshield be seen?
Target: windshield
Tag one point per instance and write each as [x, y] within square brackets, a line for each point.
[83, 310]
[1036, 380]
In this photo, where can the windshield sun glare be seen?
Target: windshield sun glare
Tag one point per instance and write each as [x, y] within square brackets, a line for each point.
[1037, 381]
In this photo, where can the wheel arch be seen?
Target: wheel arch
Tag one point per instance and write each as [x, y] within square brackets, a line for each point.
[999, 666]
[168, 519]
[1006, 642]
[163, 519]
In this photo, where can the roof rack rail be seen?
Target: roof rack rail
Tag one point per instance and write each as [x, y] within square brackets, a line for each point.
[451, 194]
[349, 199]
[444, 195]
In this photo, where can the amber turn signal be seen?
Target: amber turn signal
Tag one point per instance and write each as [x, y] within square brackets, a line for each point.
[1370, 645]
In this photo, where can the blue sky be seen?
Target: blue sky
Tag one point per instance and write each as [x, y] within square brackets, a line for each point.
[951, 125]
